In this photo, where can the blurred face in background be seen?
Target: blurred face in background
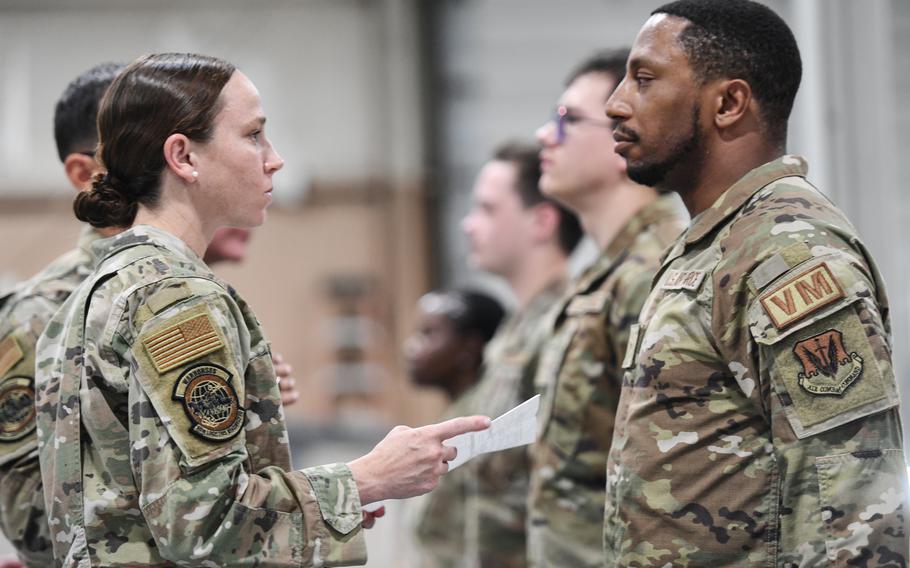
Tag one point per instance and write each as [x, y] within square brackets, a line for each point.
[436, 354]
[577, 154]
[499, 227]
[228, 244]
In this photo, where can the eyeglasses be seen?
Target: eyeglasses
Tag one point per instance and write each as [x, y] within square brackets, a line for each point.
[562, 117]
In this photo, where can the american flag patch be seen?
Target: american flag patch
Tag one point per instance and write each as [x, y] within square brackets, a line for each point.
[10, 354]
[183, 342]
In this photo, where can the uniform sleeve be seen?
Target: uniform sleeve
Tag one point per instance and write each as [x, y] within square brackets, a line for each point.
[22, 513]
[822, 346]
[203, 502]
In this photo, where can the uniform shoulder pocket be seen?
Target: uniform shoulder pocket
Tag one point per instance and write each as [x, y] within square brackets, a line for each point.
[17, 396]
[826, 364]
[189, 368]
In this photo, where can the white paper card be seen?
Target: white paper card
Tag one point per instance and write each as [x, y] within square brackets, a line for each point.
[516, 427]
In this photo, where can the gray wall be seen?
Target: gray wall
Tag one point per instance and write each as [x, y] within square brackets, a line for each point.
[324, 67]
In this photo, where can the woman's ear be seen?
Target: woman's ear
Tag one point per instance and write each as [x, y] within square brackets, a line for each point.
[178, 157]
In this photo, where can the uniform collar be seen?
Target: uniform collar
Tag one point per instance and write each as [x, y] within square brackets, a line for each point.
[88, 236]
[664, 207]
[144, 235]
[740, 192]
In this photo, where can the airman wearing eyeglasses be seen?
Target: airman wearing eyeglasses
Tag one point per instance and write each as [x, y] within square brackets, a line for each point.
[580, 371]
[519, 234]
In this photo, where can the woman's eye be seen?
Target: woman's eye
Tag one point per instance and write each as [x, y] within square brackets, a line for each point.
[255, 135]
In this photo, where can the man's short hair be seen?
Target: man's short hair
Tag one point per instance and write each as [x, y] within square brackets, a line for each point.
[526, 158]
[611, 62]
[746, 40]
[75, 128]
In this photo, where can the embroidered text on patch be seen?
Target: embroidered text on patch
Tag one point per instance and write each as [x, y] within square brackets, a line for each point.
[801, 295]
[210, 402]
[17, 408]
[183, 342]
[683, 280]
[827, 367]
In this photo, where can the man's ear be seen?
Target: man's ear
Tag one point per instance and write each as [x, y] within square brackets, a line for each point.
[732, 101]
[546, 222]
[179, 158]
[79, 170]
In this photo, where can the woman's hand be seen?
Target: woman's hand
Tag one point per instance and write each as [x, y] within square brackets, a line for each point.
[409, 461]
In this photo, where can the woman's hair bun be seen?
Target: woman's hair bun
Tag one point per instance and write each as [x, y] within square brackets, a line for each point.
[106, 204]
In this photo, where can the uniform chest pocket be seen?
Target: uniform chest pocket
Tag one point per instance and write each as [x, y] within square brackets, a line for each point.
[573, 424]
[635, 334]
[547, 377]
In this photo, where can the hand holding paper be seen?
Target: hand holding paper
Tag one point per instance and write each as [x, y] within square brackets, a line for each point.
[516, 427]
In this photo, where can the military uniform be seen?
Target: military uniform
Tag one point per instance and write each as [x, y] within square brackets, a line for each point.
[580, 374]
[161, 433]
[23, 315]
[758, 423]
[439, 516]
[497, 507]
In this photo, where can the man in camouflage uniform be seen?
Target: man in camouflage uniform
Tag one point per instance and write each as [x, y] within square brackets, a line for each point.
[515, 233]
[580, 371]
[758, 423]
[23, 315]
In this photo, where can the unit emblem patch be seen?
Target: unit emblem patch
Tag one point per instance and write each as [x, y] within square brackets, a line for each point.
[210, 402]
[827, 367]
[17, 408]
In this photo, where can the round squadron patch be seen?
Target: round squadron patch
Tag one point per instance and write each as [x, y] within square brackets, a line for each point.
[17, 408]
[210, 402]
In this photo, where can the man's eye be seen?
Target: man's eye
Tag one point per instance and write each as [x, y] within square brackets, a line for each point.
[255, 135]
[643, 79]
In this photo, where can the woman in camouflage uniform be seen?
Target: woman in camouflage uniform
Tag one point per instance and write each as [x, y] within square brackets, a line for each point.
[161, 432]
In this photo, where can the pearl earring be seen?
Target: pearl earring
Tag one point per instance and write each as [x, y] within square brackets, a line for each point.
[195, 174]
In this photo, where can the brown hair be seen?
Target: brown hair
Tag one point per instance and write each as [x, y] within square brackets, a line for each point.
[155, 96]
[526, 159]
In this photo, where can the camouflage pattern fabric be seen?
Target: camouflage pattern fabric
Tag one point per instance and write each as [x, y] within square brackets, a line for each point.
[439, 516]
[496, 518]
[23, 315]
[758, 423]
[581, 376]
[161, 434]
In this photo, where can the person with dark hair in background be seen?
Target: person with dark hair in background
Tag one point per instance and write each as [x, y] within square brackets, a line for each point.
[446, 352]
[161, 433]
[23, 315]
[581, 371]
[759, 418]
[517, 233]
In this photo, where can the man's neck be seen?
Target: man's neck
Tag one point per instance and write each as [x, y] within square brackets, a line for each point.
[729, 165]
[540, 269]
[603, 214]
